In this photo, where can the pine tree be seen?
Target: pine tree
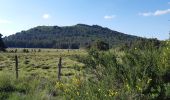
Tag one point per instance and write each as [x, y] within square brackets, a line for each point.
[2, 45]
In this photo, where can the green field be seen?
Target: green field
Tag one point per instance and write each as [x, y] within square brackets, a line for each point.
[40, 64]
[44, 63]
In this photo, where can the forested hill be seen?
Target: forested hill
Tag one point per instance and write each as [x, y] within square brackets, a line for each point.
[76, 36]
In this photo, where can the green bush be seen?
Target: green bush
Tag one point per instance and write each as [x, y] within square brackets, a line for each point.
[141, 74]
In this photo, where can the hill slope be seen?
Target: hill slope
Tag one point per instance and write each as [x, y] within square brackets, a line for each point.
[76, 36]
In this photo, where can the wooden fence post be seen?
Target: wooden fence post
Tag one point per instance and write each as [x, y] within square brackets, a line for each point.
[59, 68]
[16, 66]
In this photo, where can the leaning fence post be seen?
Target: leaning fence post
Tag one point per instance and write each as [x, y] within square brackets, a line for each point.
[59, 68]
[16, 66]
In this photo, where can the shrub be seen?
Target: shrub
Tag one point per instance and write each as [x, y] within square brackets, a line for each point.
[99, 45]
[141, 74]
[25, 50]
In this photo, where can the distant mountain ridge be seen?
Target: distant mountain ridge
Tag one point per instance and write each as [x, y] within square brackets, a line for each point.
[65, 37]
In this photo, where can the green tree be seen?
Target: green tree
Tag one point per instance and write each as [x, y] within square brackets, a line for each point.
[2, 45]
[101, 45]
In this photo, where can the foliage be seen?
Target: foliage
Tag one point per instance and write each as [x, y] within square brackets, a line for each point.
[72, 37]
[99, 45]
[141, 74]
[2, 45]
[143, 44]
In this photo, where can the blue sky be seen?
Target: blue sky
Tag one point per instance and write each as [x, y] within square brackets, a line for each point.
[146, 18]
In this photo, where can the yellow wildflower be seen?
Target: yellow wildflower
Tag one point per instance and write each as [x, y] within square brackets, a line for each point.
[149, 80]
[76, 81]
[139, 88]
[112, 93]
[59, 85]
[66, 90]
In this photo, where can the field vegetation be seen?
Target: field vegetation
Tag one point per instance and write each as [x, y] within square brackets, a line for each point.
[136, 73]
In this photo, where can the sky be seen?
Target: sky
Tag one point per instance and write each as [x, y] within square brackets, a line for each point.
[145, 18]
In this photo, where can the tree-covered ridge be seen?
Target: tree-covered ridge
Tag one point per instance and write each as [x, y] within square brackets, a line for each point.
[76, 36]
[2, 46]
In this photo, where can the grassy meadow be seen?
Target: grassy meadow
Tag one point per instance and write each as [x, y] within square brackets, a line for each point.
[37, 67]
[43, 63]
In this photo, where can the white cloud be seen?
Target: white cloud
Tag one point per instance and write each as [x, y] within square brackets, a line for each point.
[161, 12]
[156, 13]
[145, 14]
[46, 16]
[109, 17]
[3, 21]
